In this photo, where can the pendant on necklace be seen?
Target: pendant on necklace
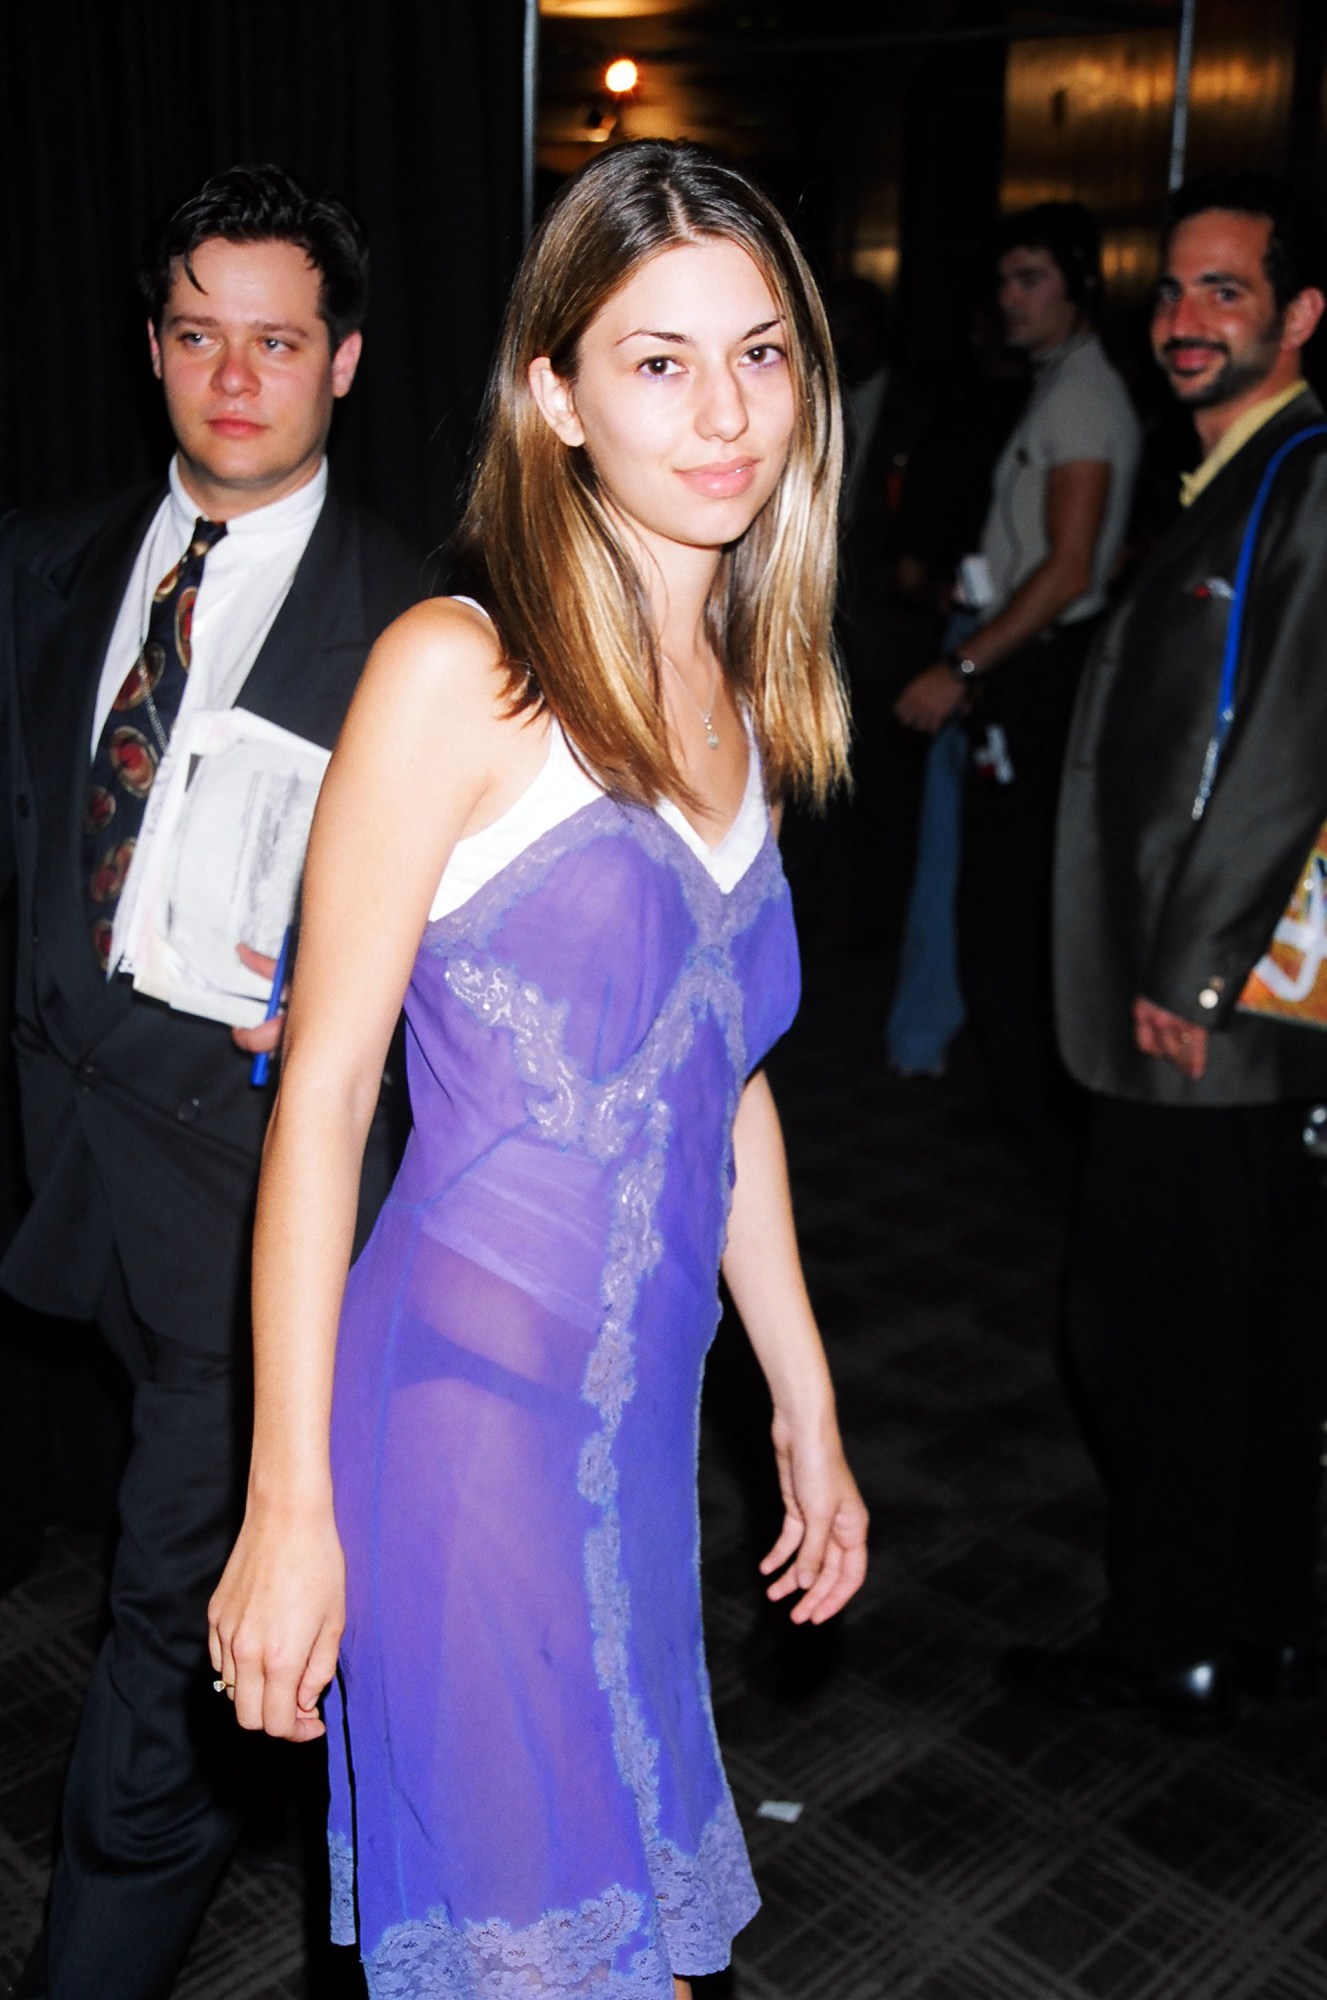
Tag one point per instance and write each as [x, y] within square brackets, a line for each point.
[706, 714]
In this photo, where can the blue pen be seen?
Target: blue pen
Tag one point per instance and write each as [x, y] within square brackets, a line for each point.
[258, 1069]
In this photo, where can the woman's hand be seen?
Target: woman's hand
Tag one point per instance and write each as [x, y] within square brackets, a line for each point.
[824, 1520]
[824, 1525]
[276, 1618]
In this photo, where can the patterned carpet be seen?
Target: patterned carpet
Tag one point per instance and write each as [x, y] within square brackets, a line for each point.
[950, 1845]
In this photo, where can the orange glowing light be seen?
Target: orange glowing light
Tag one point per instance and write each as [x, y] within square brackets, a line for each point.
[621, 76]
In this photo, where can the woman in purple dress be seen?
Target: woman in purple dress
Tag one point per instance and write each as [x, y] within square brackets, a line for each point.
[472, 1508]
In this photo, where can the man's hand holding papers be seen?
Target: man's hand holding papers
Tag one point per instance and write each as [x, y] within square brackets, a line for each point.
[224, 839]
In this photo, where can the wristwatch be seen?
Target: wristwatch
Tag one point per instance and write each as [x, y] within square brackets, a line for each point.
[963, 669]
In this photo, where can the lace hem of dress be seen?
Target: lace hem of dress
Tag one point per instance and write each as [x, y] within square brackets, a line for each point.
[704, 1901]
[617, 1946]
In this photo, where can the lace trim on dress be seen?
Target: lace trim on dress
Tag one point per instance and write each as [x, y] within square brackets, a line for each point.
[560, 789]
[634, 1250]
[726, 860]
[704, 1899]
[700, 1900]
[707, 985]
[721, 914]
[763, 879]
[341, 1867]
[604, 1119]
[571, 1109]
[474, 922]
[622, 1115]
[726, 912]
[566, 1952]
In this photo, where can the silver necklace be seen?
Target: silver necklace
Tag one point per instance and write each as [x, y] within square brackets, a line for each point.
[706, 714]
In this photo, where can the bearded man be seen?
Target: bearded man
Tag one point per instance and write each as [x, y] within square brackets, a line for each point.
[1193, 1326]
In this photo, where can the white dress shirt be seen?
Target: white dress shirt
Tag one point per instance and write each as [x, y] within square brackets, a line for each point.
[244, 585]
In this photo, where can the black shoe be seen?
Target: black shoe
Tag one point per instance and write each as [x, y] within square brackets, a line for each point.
[1286, 1672]
[1204, 1695]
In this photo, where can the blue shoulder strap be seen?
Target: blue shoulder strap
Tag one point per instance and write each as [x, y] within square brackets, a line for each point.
[1225, 701]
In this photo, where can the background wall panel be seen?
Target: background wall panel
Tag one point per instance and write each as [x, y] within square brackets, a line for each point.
[410, 111]
[1090, 120]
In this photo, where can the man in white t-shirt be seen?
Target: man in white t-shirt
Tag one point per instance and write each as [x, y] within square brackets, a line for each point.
[1060, 503]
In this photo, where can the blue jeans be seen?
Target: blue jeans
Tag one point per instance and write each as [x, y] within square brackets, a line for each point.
[928, 1009]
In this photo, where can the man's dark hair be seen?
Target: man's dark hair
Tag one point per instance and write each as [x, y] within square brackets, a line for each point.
[1069, 233]
[264, 205]
[859, 324]
[1296, 254]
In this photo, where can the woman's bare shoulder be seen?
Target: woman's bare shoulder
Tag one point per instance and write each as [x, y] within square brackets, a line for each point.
[447, 643]
[440, 657]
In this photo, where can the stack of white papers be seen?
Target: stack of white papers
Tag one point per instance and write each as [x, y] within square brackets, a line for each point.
[219, 863]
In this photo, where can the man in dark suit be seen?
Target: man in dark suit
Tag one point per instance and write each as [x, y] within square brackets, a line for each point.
[1193, 1320]
[142, 1131]
[849, 869]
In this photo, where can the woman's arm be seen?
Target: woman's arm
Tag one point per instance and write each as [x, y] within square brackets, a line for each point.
[425, 757]
[824, 1520]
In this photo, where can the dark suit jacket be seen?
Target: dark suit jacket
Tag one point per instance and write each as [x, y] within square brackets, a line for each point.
[1148, 901]
[884, 640]
[142, 1133]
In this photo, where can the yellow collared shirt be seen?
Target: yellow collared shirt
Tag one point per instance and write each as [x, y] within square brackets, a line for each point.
[1243, 428]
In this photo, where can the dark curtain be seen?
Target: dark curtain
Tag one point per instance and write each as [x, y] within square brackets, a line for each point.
[111, 110]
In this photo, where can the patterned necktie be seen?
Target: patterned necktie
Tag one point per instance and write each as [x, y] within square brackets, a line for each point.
[136, 734]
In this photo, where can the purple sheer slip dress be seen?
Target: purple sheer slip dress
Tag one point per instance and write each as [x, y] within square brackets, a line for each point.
[527, 1794]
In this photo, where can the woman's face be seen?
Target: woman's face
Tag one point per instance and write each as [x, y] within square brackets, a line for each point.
[682, 397]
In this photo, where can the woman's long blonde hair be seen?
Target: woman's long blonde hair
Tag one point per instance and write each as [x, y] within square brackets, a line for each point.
[539, 547]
